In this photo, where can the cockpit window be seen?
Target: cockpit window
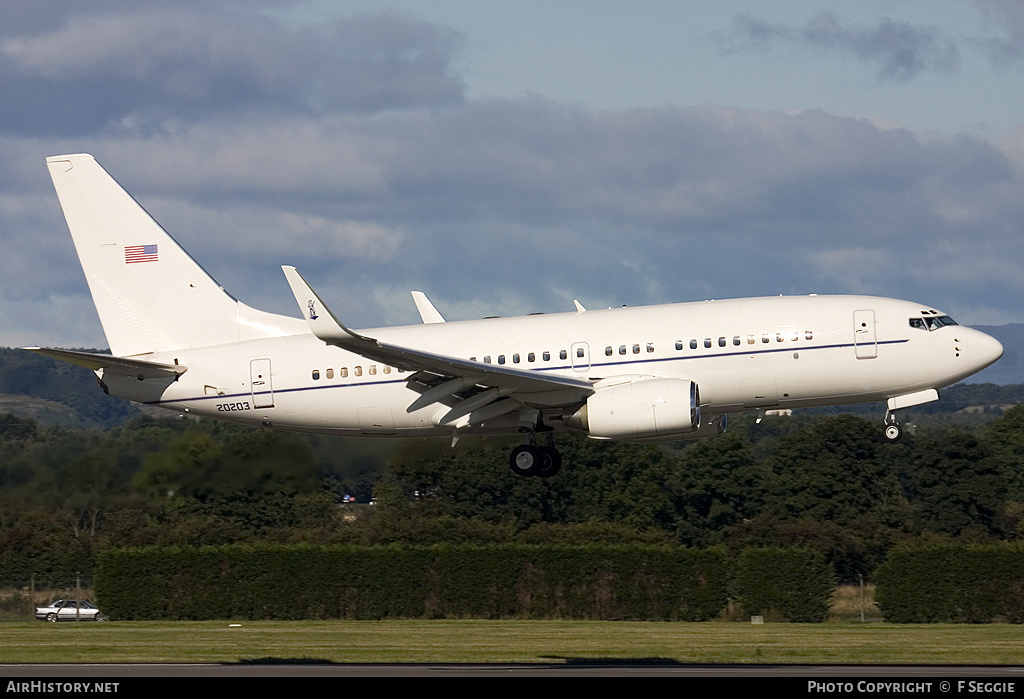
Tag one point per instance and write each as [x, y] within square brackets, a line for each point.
[931, 322]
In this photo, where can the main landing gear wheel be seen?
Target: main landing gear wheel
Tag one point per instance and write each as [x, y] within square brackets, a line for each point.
[525, 460]
[551, 462]
[528, 460]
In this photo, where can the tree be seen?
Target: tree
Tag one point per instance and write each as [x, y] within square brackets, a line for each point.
[836, 469]
[957, 487]
[717, 485]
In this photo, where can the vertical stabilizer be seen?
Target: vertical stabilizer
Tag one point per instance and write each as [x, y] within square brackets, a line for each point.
[150, 294]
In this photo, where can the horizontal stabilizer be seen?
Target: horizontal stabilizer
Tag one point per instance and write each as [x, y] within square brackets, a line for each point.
[109, 364]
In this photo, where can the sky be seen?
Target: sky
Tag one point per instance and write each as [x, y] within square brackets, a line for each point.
[509, 157]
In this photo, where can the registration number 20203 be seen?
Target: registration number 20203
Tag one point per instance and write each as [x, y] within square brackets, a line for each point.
[230, 407]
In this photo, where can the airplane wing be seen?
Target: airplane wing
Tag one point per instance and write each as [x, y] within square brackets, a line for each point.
[138, 368]
[449, 374]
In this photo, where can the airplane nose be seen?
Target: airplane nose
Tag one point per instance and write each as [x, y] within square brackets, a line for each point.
[984, 349]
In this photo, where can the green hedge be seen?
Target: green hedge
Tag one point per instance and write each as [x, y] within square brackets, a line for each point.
[794, 584]
[444, 581]
[630, 581]
[952, 583]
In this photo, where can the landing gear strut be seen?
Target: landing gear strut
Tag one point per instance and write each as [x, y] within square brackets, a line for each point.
[532, 460]
[893, 429]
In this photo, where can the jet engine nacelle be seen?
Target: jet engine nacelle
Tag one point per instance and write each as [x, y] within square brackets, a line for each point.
[640, 408]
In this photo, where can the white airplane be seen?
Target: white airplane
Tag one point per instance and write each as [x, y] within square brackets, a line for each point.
[669, 372]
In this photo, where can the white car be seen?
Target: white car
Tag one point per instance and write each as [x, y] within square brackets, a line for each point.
[70, 610]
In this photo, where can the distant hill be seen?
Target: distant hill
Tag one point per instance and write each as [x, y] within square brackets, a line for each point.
[57, 393]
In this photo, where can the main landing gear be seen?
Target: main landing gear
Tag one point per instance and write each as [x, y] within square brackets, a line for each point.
[893, 429]
[532, 460]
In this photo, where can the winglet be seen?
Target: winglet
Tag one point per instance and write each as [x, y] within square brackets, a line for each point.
[579, 307]
[428, 313]
[322, 322]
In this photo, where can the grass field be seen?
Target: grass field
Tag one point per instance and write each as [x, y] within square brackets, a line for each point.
[475, 641]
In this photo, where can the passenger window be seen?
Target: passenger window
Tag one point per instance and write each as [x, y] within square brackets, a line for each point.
[501, 359]
[707, 342]
[679, 344]
[343, 372]
[515, 358]
[373, 370]
[622, 349]
[580, 352]
[531, 357]
[487, 359]
[358, 371]
[562, 354]
[608, 351]
[736, 340]
[316, 374]
[808, 335]
[330, 373]
[693, 343]
[387, 370]
[650, 347]
[765, 338]
[721, 342]
[750, 339]
[546, 356]
[636, 349]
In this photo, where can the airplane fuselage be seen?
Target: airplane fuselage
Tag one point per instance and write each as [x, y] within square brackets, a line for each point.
[744, 354]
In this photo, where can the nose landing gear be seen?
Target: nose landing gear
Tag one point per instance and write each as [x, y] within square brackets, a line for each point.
[893, 429]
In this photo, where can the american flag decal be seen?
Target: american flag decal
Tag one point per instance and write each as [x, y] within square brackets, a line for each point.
[140, 253]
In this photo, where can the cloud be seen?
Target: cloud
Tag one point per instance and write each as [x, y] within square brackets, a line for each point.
[535, 201]
[142, 66]
[900, 50]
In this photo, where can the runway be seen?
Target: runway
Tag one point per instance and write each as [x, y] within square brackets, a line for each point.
[68, 673]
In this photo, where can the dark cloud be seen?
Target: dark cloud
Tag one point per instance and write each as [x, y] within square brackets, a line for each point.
[141, 66]
[1006, 18]
[524, 204]
[901, 50]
